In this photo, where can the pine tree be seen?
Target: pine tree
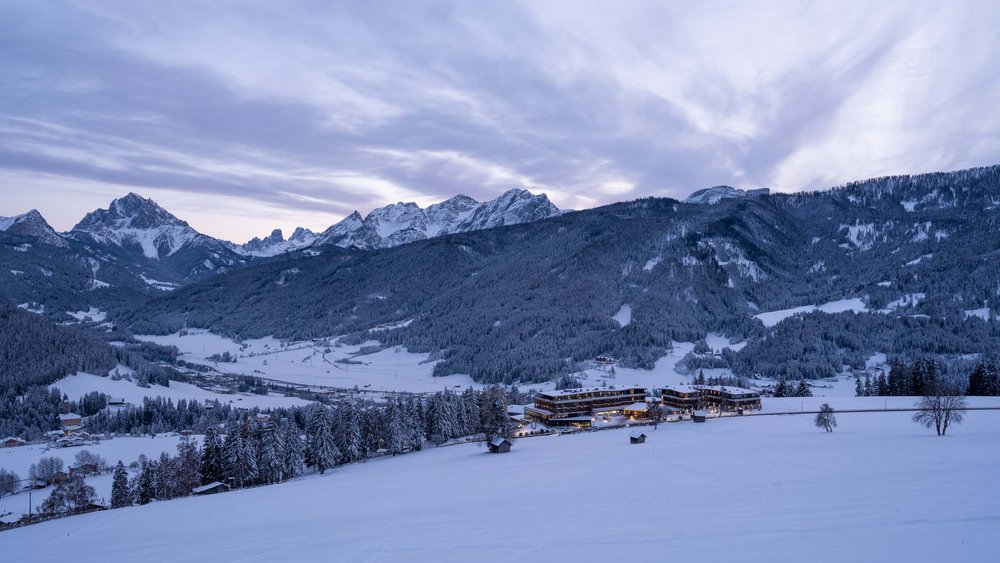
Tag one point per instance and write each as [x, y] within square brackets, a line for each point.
[898, 379]
[292, 461]
[212, 459]
[803, 389]
[977, 381]
[243, 461]
[470, 402]
[859, 390]
[144, 491]
[270, 454]
[188, 475]
[321, 450]
[496, 421]
[991, 387]
[883, 385]
[918, 377]
[781, 389]
[351, 430]
[121, 496]
[395, 427]
[868, 385]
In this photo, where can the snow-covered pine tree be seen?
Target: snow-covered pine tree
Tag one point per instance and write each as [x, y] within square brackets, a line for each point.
[899, 379]
[144, 491]
[212, 459]
[321, 450]
[292, 454]
[243, 463]
[121, 496]
[803, 389]
[859, 389]
[781, 389]
[439, 420]
[270, 454]
[473, 420]
[188, 462]
[496, 421]
[351, 429]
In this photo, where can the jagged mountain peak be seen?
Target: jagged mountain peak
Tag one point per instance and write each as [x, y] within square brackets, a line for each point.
[131, 211]
[32, 224]
[275, 243]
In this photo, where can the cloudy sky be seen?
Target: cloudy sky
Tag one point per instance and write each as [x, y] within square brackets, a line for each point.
[242, 117]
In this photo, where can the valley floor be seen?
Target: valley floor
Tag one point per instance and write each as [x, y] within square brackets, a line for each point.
[745, 489]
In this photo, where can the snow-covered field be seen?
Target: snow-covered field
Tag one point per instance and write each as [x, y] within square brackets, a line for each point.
[126, 449]
[75, 386]
[880, 488]
[772, 318]
[307, 363]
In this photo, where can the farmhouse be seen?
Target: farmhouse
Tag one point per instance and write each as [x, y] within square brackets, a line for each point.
[729, 399]
[578, 406]
[12, 442]
[683, 397]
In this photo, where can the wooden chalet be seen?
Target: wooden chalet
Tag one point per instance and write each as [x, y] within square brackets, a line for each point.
[637, 437]
[13, 442]
[499, 445]
[698, 416]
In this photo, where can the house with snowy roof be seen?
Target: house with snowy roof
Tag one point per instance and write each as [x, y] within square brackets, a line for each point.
[499, 445]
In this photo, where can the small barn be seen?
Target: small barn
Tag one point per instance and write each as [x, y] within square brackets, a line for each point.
[210, 489]
[117, 402]
[698, 416]
[637, 437]
[499, 445]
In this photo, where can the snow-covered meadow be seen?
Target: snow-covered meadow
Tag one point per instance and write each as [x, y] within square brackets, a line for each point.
[880, 488]
[126, 449]
[308, 363]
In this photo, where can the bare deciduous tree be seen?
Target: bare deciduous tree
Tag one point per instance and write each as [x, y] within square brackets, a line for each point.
[940, 409]
[825, 419]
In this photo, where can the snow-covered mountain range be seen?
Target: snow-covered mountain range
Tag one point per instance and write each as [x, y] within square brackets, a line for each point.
[401, 223]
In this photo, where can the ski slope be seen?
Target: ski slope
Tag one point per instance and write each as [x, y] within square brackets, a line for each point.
[776, 488]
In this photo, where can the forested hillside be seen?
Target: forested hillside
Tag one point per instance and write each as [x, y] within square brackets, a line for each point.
[527, 302]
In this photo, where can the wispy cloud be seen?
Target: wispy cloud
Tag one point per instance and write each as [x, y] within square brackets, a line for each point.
[299, 113]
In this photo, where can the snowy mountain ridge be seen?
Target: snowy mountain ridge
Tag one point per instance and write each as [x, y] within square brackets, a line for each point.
[32, 224]
[275, 243]
[713, 195]
[401, 223]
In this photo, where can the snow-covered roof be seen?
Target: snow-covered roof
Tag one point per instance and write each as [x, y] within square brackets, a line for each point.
[14, 438]
[727, 389]
[608, 390]
[497, 440]
[208, 487]
[699, 413]
[636, 434]
[636, 407]
[70, 416]
[681, 389]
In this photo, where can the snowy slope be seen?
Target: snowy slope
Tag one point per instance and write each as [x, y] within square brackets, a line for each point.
[772, 318]
[770, 488]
